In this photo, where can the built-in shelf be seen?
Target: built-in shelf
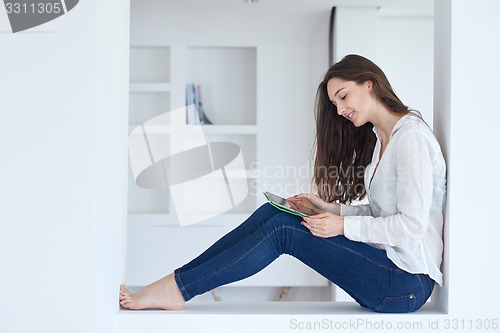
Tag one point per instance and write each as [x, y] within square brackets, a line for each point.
[228, 80]
[150, 64]
[150, 87]
[207, 129]
[230, 129]
[145, 105]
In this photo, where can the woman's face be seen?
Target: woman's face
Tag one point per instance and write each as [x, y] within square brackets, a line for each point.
[354, 101]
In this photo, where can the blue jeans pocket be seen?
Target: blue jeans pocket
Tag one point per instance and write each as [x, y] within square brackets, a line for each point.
[401, 304]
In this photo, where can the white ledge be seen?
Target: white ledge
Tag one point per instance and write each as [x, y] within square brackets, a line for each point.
[267, 317]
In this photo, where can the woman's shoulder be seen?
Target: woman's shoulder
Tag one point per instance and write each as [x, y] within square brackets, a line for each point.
[415, 129]
[414, 122]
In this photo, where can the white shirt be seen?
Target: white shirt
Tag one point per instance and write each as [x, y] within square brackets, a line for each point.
[406, 199]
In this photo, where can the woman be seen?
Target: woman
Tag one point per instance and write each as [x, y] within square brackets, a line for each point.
[386, 254]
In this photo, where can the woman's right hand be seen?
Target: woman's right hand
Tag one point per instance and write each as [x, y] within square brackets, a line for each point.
[311, 204]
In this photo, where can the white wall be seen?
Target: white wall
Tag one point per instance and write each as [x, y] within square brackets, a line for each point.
[58, 199]
[466, 119]
[405, 51]
[399, 41]
[359, 38]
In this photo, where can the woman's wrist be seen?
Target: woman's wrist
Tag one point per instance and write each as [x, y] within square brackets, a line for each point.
[334, 208]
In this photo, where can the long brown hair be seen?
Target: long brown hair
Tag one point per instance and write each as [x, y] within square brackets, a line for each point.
[342, 150]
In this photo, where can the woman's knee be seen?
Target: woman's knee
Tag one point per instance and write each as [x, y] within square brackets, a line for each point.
[283, 221]
[266, 207]
[265, 212]
[260, 216]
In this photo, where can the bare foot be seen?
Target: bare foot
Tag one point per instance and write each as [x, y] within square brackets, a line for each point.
[162, 294]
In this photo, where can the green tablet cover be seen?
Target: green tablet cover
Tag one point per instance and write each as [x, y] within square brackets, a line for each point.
[282, 207]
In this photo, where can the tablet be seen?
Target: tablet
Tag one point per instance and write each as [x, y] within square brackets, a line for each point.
[282, 204]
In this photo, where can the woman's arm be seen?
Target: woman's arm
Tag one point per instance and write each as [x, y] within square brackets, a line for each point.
[311, 204]
[355, 210]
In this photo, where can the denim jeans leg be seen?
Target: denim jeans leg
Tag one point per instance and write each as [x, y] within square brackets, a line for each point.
[250, 225]
[363, 271]
[243, 259]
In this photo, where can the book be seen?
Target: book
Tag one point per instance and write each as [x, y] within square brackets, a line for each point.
[201, 110]
[191, 111]
[195, 115]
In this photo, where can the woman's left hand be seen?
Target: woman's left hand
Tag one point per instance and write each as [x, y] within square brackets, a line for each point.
[324, 225]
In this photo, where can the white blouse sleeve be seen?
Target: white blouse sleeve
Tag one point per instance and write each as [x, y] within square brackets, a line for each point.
[414, 188]
[355, 210]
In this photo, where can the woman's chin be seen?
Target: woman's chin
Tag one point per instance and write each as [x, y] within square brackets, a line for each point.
[357, 123]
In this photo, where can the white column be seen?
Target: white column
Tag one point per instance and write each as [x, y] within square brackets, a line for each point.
[111, 158]
[63, 144]
[466, 121]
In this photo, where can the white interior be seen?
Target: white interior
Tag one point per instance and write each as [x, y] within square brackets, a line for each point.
[63, 98]
[257, 74]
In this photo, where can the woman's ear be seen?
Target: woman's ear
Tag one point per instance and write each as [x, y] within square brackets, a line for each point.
[369, 85]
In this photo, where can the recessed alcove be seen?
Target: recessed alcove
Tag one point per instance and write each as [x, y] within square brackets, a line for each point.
[65, 216]
[249, 311]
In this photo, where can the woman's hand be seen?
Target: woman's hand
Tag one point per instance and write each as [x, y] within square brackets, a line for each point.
[311, 204]
[324, 225]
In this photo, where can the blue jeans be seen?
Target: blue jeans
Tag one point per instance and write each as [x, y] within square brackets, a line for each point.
[363, 271]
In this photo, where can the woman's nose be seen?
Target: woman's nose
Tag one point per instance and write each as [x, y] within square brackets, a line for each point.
[341, 110]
